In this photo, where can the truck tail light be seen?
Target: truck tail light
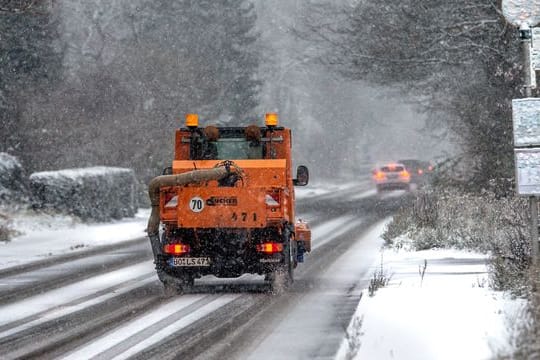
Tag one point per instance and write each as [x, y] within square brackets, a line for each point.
[176, 249]
[270, 247]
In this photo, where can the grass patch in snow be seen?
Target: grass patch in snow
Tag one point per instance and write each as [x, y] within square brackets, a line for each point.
[485, 223]
[482, 223]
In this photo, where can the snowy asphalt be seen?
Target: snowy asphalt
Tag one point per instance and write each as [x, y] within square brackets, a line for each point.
[108, 304]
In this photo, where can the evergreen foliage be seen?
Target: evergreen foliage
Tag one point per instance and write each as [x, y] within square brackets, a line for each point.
[29, 62]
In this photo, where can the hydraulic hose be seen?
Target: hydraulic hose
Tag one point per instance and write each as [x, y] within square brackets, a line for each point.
[195, 176]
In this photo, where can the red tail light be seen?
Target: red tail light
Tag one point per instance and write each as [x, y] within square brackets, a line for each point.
[270, 247]
[176, 249]
[420, 171]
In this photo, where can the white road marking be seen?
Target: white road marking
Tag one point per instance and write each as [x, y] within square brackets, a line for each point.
[64, 310]
[57, 298]
[146, 321]
[332, 229]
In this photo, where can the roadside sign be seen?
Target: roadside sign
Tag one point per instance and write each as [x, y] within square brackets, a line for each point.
[519, 11]
[535, 49]
[535, 58]
[527, 171]
[526, 121]
[532, 69]
[536, 36]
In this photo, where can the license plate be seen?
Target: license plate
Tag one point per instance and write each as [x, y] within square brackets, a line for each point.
[190, 261]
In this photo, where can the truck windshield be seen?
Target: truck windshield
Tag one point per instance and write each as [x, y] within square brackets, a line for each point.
[229, 149]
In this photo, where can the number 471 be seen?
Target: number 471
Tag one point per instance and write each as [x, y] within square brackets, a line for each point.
[243, 216]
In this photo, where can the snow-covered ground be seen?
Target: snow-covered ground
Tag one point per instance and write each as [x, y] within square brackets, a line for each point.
[47, 236]
[449, 312]
[436, 305]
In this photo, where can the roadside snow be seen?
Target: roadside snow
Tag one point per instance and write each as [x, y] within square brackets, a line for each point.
[448, 313]
[80, 173]
[47, 236]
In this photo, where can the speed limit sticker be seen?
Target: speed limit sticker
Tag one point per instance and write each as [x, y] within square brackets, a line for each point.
[196, 204]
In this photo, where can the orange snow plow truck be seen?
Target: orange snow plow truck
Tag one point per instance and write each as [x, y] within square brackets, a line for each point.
[226, 207]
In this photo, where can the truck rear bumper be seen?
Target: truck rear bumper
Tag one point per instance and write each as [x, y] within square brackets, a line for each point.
[226, 266]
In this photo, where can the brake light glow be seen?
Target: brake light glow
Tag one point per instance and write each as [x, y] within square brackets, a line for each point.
[404, 174]
[379, 175]
[270, 247]
[420, 171]
[176, 249]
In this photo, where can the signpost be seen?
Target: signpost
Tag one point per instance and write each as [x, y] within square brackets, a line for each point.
[526, 112]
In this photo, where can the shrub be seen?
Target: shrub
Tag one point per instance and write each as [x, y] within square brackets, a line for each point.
[484, 223]
[97, 193]
[13, 187]
[6, 230]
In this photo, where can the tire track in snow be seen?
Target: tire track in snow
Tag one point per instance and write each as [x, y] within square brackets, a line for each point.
[74, 306]
[29, 283]
[51, 305]
[61, 297]
[152, 327]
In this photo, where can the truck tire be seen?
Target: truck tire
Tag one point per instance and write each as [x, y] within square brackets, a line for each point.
[172, 285]
[283, 276]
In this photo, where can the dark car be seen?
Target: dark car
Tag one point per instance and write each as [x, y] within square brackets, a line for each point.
[420, 170]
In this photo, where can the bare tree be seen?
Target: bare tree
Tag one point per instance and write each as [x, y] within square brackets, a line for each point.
[459, 58]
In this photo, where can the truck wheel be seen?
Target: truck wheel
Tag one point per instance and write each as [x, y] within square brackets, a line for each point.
[283, 276]
[178, 285]
[172, 285]
[169, 289]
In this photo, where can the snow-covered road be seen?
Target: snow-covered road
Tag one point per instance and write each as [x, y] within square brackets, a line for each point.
[112, 305]
[105, 302]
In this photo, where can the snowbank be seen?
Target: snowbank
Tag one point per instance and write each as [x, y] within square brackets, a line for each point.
[96, 193]
[437, 305]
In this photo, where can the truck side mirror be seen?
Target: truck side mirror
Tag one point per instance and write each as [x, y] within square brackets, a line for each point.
[167, 171]
[302, 176]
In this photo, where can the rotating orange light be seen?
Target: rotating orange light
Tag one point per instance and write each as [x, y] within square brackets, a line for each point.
[192, 120]
[271, 119]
